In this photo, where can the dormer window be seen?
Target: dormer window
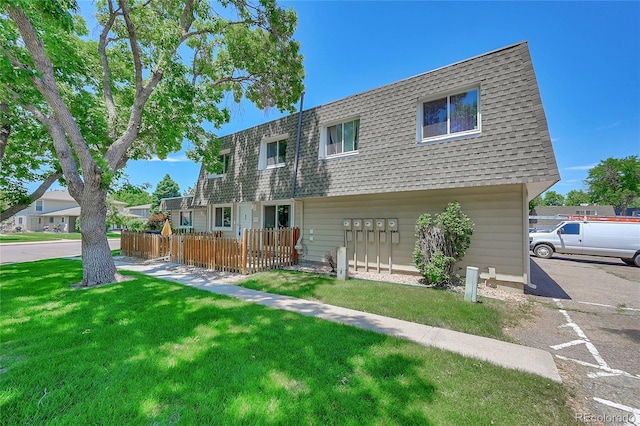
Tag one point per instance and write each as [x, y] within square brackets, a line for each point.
[273, 152]
[340, 139]
[223, 159]
[451, 115]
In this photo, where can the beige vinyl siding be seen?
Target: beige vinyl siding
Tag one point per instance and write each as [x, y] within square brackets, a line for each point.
[496, 211]
[200, 220]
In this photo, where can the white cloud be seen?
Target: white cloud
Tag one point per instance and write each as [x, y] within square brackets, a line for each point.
[585, 167]
[609, 126]
[177, 159]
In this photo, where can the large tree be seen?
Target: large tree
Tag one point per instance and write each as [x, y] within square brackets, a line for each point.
[616, 181]
[153, 78]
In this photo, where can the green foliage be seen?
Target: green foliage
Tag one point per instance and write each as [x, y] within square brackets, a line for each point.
[616, 181]
[552, 198]
[440, 242]
[133, 195]
[576, 197]
[134, 224]
[166, 188]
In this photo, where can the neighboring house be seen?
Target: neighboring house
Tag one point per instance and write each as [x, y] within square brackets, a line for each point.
[546, 216]
[141, 211]
[54, 210]
[361, 170]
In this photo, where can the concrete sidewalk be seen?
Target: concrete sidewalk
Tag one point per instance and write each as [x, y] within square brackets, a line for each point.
[504, 354]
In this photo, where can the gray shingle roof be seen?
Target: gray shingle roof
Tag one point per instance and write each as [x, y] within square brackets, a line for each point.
[513, 147]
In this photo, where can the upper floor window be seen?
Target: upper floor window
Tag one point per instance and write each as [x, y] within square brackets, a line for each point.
[223, 159]
[273, 152]
[39, 205]
[222, 217]
[451, 115]
[341, 138]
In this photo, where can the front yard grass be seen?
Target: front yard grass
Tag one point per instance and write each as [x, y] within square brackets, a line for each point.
[423, 305]
[32, 237]
[148, 351]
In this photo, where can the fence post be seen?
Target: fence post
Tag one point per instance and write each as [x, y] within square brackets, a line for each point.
[245, 242]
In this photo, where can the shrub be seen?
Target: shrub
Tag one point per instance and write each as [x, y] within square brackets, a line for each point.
[156, 221]
[440, 243]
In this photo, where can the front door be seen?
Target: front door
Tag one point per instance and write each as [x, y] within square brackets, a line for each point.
[244, 218]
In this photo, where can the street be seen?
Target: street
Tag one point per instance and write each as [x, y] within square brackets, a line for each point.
[27, 252]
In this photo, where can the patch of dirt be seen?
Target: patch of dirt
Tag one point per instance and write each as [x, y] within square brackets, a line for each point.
[119, 279]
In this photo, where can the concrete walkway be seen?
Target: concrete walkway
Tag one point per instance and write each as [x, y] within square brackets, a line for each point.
[504, 354]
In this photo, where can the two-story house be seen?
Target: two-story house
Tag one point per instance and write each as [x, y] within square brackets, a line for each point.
[55, 210]
[359, 171]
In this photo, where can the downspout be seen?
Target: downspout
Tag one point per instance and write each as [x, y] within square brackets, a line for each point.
[297, 159]
[299, 248]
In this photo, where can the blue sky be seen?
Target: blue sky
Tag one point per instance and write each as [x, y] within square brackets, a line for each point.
[586, 56]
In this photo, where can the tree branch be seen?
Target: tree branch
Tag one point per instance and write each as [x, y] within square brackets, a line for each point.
[5, 128]
[62, 120]
[133, 42]
[106, 73]
[6, 214]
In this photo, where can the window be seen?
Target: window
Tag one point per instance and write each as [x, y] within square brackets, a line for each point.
[273, 152]
[342, 138]
[39, 206]
[451, 115]
[222, 217]
[224, 159]
[51, 220]
[276, 152]
[186, 218]
[276, 216]
[571, 229]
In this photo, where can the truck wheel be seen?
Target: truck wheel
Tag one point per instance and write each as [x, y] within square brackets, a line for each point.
[636, 260]
[544, 251]
[628, 261]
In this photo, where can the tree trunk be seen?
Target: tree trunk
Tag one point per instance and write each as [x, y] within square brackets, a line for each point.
[98, 266]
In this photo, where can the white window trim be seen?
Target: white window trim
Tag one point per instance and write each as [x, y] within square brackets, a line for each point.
[219, 175]
[276, 205]
[181, 226]
[262, 160]
[213, 217]
[449, 136]
[41, 206]
[322, 149]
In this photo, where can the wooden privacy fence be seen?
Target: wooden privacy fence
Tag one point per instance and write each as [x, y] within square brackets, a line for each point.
[258, 250]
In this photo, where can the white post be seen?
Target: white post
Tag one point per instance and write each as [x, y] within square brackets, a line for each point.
[471, 284]
[341, 254]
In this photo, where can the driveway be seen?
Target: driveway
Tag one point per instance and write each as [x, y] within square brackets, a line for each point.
[588, 317]
[27, 252]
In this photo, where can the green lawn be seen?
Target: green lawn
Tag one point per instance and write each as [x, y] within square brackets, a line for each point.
[422, 305]
[149, 351]
[28, 237]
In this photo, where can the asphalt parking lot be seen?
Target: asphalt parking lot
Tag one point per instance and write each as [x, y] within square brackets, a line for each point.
[588, 316]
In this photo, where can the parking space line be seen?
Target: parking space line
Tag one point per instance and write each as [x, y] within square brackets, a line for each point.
[609, 306]
[635, 413]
